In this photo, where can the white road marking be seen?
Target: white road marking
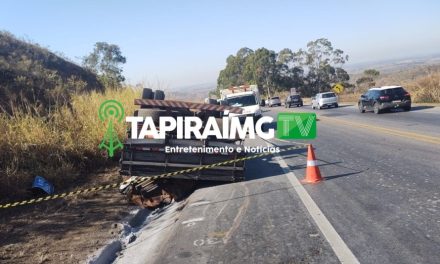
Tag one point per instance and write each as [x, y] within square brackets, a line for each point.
[199, 203]
[208, 241]
[338, 245]
[193, 220]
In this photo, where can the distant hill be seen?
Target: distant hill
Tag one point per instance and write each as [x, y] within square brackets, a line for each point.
[195, 92]
[33, 74]
[394, 65]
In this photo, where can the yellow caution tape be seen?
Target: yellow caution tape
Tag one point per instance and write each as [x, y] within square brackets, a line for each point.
[141, 180]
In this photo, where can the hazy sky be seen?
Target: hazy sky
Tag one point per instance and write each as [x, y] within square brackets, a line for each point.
[186, 42]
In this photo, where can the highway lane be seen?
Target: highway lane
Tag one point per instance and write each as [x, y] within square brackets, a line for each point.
[261, 220]
[382, 191]
[424, 120]
[381, 195]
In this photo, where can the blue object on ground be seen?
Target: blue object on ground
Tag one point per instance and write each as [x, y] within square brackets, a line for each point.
[43, 184]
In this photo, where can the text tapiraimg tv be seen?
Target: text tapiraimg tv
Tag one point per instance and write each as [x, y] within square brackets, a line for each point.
[189, 126]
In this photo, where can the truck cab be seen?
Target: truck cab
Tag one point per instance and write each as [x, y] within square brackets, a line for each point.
[246, 97]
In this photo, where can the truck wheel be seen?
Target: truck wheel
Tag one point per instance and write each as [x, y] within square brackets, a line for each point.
[147, 93]
[336, 105]
[159, 95]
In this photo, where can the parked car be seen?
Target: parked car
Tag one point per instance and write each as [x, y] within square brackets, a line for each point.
[293, 100]
[384, 98]
[325, 100]
[274, 101]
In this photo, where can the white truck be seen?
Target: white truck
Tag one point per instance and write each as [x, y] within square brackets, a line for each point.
[246, 97]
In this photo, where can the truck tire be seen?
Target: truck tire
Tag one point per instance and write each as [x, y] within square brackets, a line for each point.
[147, 93]
[159, 95]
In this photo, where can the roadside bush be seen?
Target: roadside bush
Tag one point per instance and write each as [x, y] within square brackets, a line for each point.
[61, 146]
[425, 89]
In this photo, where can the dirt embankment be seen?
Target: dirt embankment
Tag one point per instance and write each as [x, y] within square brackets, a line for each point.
[63, 231]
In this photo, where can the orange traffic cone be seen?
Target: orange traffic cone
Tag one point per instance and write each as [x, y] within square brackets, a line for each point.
[313, 175]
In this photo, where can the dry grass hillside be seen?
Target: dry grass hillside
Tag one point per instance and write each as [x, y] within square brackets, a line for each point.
[30, 73]
[61, 146]
[423, 82]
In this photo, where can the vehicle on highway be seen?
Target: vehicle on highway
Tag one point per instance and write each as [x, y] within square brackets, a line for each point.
[322, 100]
[293, 100]
[246, 97]
[274, 101]
[384, 98]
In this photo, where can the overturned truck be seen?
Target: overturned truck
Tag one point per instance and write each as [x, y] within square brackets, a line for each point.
[144, 158]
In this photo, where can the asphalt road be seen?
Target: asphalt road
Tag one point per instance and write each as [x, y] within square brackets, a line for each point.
[381, 197]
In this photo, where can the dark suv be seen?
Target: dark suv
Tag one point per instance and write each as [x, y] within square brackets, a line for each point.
[384, 98]
[293, 100]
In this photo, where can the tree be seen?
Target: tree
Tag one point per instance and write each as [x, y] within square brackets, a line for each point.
[105, 61]
[368, 79]
[323, 65]
[233, 72]
[312, 70]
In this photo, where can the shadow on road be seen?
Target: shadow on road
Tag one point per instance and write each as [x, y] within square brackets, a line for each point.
[413, 108]
[320, 165]
[341, 175]
[421, 107]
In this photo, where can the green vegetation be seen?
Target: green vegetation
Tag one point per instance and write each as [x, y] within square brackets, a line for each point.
[318, 67]
[367, 80]
[61, 146]
[105, 61]
[48, 113]
[312, 70]
[32, 75]
[48, 105]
